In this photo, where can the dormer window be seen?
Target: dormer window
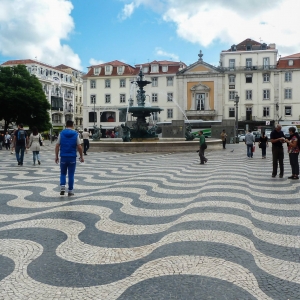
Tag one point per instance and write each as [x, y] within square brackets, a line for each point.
[145, 70]
[165, 68]
[249, 47]
[120, 70]
[107, 68]
[96, 71]
[291, 62]
[154, 69]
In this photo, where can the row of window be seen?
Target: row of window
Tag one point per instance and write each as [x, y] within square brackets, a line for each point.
[265, 94]
[46, 72]
[266, 62]
[265, 112]
[122, 117]
[266, 77]
[107, 82]
[154, 98]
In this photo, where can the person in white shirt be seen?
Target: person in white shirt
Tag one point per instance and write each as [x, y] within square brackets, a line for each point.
[7, 139]
[86, 142]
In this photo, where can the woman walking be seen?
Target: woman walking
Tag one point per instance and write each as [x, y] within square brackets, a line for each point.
[34, 144]
[263, 144]
[293, 151]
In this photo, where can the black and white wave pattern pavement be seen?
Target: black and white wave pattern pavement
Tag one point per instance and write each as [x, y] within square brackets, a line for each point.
[150, 226]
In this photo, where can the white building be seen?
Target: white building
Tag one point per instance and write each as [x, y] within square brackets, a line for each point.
[250, 71]
[110, 86]
[162, 91]
[78, 94]
[288, 108]
[58, 87]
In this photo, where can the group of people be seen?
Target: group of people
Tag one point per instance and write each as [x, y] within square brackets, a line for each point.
[6, 140]
[277, 139]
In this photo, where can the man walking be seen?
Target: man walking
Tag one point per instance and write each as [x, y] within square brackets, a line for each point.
[203, 146]
[86, 142]
[68, 143]
[223, 137]
[277, 139]
[249, 141]
[20, 142]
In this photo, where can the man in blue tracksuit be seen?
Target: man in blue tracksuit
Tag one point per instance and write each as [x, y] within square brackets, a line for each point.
[68, 143]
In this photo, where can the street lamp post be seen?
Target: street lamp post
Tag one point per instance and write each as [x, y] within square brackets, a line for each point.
[94, 101]
[236, 125]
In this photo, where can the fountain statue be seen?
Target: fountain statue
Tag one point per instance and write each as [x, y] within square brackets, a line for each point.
[188, 133]
[126, 133]
[96, 135]
[140, 129]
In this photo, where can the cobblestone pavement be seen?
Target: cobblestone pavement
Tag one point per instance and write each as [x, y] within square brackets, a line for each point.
[150, 226]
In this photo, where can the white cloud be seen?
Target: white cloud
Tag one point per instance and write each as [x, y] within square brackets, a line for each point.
[94, 62]
[36, 28]
[172, 56]
[127, 11]
[206, 22]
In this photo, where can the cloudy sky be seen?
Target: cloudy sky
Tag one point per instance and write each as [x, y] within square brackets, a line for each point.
[80, 33]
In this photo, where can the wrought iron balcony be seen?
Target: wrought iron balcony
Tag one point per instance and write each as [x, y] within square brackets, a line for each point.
[248, 68]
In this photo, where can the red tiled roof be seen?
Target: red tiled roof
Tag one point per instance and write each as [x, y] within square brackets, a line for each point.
[296, 55]
[283, 62]
[242, 46]
[26, 62]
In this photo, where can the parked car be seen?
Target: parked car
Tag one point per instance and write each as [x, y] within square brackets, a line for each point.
[241, 137]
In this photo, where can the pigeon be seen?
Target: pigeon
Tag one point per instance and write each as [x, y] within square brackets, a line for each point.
[232, 150]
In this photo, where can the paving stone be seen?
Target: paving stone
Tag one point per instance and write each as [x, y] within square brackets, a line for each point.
[150, 226]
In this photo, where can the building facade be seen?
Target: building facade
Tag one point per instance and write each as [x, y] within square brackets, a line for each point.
[250, 72]
[78, 94]
[200, 90]
[288, 104]
[58, 86]
[111, 86]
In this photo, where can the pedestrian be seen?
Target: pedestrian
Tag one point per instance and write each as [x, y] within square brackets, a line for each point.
[277, 139]
[86, 142]
[13, 143]
[68, 143]
[1, 140]
[202, 148]
[263, 144]
[7, 140]
[35, 141]
[250, 142]
[293, 151]
[20, 140]
[224, 138]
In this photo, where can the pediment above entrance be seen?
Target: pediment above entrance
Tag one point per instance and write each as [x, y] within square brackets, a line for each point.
[200, 87]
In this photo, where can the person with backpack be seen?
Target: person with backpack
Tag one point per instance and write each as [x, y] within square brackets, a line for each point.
[20, 140]
[293, 151]
[68, 143]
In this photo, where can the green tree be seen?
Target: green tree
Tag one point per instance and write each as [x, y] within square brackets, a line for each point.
[22, 99]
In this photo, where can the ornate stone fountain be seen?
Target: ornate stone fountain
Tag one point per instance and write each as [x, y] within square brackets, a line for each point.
[140, 130]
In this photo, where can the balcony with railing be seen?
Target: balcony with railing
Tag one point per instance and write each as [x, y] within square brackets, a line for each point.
[248, 68]
[201, 113]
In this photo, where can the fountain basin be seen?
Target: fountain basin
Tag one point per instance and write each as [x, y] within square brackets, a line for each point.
[163, 145]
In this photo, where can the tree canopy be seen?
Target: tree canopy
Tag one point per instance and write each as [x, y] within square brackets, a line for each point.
[22, 99]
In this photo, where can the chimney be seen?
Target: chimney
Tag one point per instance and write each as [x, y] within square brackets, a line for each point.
[272, 46]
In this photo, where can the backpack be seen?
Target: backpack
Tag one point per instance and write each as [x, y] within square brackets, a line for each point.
[21, 135]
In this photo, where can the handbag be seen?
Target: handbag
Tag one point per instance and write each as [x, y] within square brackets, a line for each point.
[40, 140]
[253, 148]
[203, 146]
[259, 146]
